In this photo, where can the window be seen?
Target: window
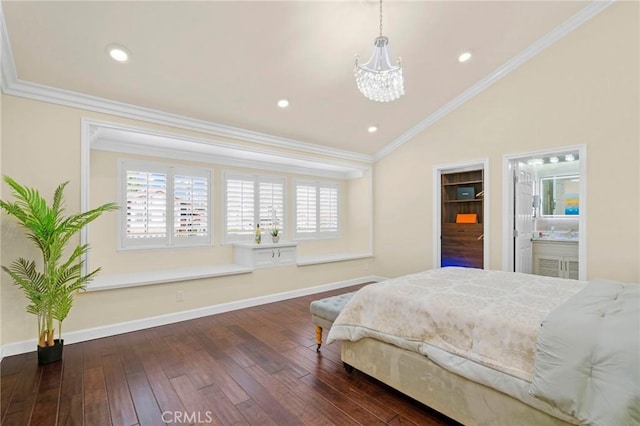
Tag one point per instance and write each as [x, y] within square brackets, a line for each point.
[251, 200]
[165, 206]
[190, 206]
[316, 210]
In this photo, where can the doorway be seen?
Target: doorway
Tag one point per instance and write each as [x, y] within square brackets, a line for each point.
[461, 200]
[544, 198]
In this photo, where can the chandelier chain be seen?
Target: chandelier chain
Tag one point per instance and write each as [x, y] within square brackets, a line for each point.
[380, 18]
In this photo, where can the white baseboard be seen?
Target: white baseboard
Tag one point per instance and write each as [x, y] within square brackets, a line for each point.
[140, 324]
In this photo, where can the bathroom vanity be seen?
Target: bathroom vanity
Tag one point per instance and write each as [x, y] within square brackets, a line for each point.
[556, 257]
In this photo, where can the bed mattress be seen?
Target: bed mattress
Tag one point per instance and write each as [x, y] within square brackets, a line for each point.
[491, 318]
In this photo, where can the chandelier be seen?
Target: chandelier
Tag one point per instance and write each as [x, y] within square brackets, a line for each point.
[378, 80]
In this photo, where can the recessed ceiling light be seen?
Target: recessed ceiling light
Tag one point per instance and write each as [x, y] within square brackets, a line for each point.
[372, 129]
[283, 103]
[118, 53]
[464, 57]
[569, 157]
[535, 161]
[554, 159]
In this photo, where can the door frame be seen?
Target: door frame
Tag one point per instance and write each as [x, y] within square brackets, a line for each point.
[508, 203]
[438, 171]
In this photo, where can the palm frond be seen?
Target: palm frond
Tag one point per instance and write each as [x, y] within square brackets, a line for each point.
[77, 221]
[24, 273]
[58, 197]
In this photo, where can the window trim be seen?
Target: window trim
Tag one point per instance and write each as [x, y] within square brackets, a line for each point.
[317, 235]
[171, 170]
[257, 178]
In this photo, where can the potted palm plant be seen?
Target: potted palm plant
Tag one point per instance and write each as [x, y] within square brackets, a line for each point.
[51, 285]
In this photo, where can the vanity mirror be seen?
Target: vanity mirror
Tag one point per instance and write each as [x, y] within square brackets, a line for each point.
[559, 195]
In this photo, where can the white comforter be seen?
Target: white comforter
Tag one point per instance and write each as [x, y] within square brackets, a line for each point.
[588, 355]
[490, 317]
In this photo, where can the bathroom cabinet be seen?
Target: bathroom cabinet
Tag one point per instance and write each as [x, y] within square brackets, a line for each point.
[556, 259]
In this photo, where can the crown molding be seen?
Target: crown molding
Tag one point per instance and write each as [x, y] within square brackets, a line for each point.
[91, 103]
[114, 137]
[507, 68]
[12, 85]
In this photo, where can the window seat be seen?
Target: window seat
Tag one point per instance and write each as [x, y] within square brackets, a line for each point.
[331, 257]
[134, 279]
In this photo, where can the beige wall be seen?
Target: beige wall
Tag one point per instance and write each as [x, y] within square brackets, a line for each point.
[582, 90]
[41, 147]
[359, 223]
[1, 322]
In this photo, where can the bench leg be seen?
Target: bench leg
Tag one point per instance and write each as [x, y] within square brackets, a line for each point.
[318, 337]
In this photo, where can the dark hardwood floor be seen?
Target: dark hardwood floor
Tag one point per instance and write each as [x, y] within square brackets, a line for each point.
[255, 366]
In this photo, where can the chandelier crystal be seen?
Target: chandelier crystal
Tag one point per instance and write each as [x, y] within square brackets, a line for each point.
[378, 79]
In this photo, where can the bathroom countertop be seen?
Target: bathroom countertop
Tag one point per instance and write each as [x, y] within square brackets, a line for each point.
[560, 238]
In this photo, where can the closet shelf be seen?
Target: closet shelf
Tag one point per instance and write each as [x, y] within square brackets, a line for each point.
[467, 182]
[477, 200]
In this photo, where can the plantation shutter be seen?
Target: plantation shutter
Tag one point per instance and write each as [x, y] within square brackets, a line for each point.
[163, 206]
[252, 200]
[191, 202]
[240, 216]
[146, 204]
[271, 202]
[306, 213]
[328, 208]
[317, 209]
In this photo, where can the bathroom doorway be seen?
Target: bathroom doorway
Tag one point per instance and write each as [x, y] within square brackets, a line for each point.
[544, 222]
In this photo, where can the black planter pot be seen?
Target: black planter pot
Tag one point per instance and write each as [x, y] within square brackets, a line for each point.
[50, 354]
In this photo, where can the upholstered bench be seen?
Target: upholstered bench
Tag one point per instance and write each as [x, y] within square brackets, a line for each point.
[325, 311]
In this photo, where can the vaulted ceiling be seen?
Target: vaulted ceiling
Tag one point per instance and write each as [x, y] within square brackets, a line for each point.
[230, 62]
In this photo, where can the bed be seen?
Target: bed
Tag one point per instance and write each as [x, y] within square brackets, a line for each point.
[500, 348]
